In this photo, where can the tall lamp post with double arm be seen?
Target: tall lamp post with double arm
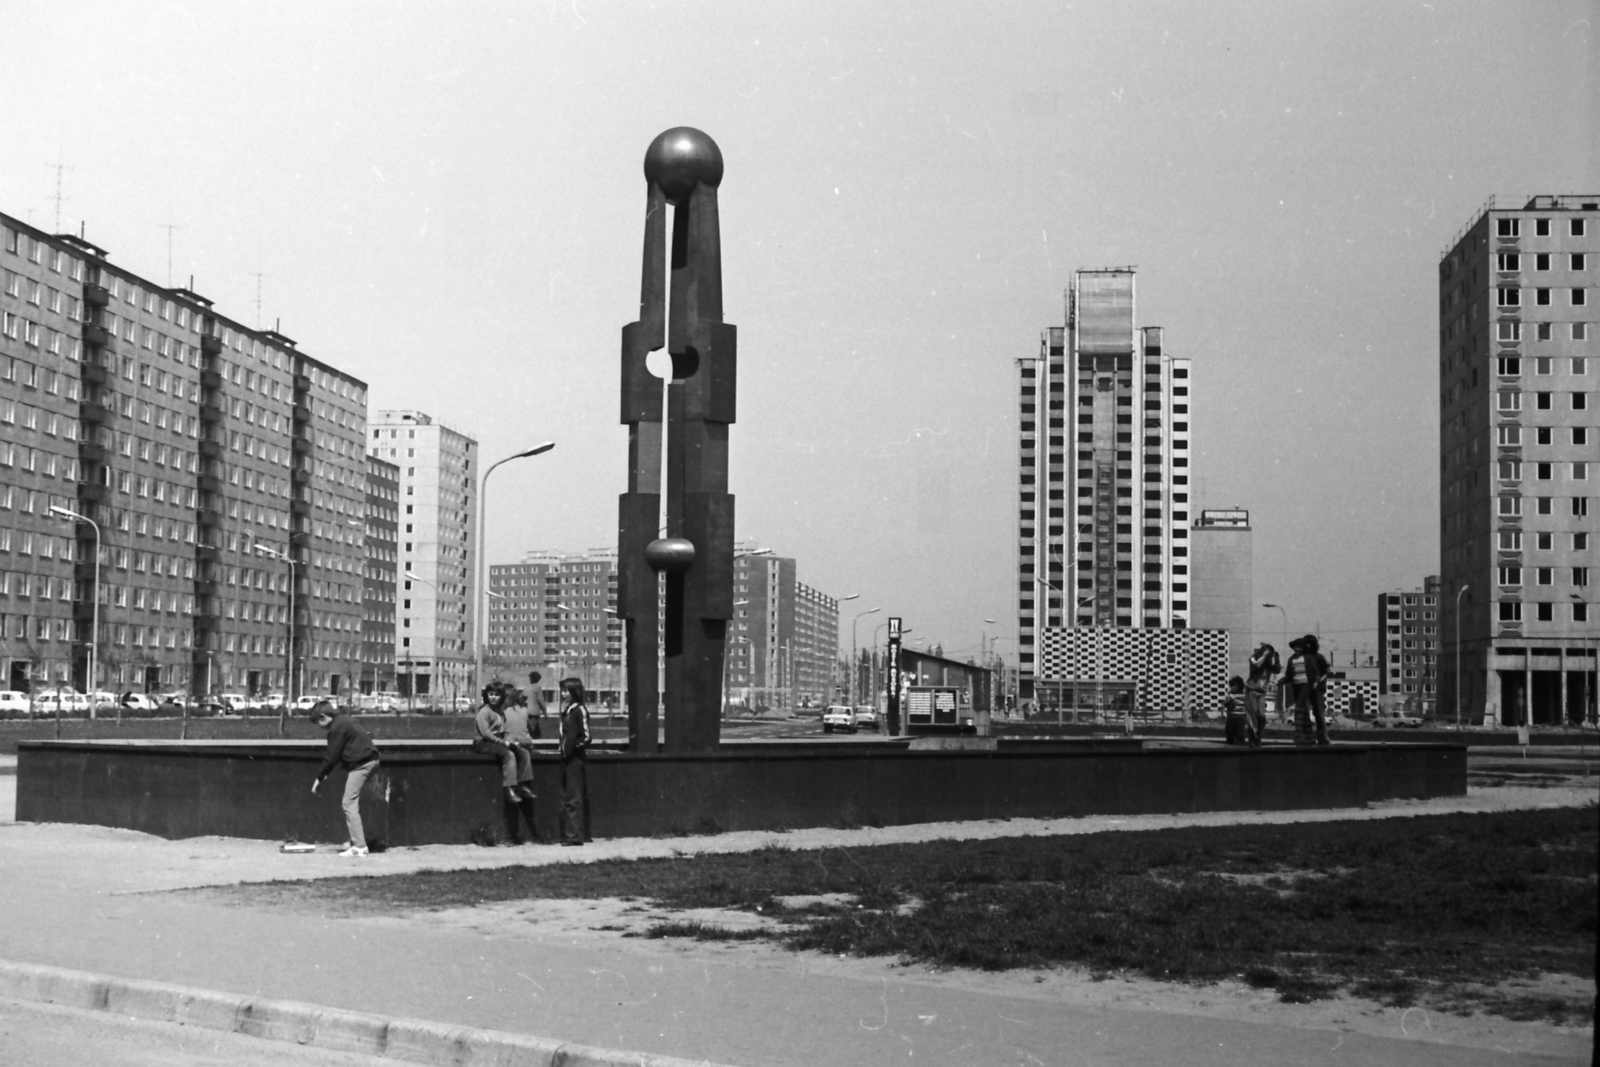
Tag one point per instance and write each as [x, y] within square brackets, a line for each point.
[481, 601]
[854, 669]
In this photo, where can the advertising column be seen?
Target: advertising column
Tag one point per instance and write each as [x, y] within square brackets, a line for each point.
[893, 686]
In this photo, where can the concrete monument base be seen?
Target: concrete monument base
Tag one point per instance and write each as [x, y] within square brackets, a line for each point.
[442, 792]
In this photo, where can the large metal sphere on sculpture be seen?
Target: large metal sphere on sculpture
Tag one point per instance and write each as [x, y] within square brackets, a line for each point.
[671, 555]
[681, 158]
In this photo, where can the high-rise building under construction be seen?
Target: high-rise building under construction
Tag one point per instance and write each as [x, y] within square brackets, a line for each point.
[1103, 482]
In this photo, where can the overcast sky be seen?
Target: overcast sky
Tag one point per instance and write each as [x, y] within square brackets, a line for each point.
[446, 201]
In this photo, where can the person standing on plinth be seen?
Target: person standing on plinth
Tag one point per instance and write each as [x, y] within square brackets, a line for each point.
[348, 744]
[1307, 675]
[574, 763]
[1263, 665]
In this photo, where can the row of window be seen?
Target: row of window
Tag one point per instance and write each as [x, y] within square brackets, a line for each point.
[1510, 296]
[1544, 611]
[1511, 262]
[1511, 400]
[1543, 541]
[1512, 227]
[1543, 505]
[1510, 470]
[1542, 575]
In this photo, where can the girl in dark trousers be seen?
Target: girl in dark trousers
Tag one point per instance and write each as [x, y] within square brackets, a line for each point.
[1307, 675]
[574, 764]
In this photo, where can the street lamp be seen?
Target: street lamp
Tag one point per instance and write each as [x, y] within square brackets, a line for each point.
[869, 611]
[481, 601]
[411, 663]
[1463, 589]
[1585, 672]
[1285, 615]
[94, 617]
[288, 656]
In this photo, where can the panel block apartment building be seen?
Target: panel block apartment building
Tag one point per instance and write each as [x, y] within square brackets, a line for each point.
[1408, 646]
[215, 471]
[1103, 484]
[436, 524]
[1517, 444]
[556, 613]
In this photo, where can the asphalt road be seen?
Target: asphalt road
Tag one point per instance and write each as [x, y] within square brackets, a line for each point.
[46, 1035]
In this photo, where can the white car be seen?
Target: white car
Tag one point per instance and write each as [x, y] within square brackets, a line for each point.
[138, 702]
[67, 699]
[838, 717]
[867, 715]
[1396, 718]
[13, 702]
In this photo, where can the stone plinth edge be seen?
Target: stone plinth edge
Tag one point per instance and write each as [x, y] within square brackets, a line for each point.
[406, 1040]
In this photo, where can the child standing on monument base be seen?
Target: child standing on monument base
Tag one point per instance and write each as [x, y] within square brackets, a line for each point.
[1235, 728]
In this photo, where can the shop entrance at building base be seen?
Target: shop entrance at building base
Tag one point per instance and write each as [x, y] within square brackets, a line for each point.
[1543, 704]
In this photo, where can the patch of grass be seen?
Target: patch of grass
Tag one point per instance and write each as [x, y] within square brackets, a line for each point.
[1436, 909]
[703, 932]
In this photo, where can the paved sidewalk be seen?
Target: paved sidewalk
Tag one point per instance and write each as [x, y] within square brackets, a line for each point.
[90, 899]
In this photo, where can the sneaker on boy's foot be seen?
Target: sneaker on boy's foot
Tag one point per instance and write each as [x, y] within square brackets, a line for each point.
[354, 850]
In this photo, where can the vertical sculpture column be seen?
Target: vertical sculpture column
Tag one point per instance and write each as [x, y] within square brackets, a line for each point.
[683, 168]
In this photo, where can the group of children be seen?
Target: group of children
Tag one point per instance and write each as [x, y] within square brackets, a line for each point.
[1306, 682]
[507, 732]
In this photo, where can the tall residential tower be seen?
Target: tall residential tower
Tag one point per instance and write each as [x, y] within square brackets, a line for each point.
[1517, 471]
[1103, 486]
[437, 520]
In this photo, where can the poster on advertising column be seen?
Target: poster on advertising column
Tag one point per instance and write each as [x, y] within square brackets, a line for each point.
[893, 676]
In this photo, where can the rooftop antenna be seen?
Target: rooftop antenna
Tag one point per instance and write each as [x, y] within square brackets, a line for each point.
[58, 167]
[258, 275]
[169, 227]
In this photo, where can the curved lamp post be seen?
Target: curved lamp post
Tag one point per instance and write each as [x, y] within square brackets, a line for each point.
[853, 665]
[94, 616]
[288, 656]
[94, 634]
[1463, 589]
[480, 601]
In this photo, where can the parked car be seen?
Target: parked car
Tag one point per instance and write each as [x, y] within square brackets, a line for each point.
[867, 715]
[137, 702]
[13, 702]
[838, 717]
[69, 700]
[1397, 718]
[236, 702]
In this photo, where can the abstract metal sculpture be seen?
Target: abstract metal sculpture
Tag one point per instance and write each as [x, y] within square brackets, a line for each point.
[682, 167]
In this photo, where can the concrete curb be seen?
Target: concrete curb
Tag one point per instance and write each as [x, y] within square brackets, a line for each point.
[409, 1040]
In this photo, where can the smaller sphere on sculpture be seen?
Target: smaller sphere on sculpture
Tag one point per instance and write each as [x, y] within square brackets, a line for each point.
[679, 159]
[673, 555]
